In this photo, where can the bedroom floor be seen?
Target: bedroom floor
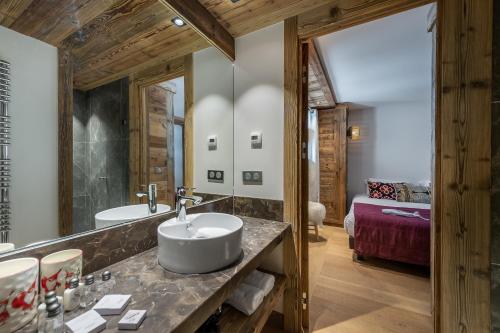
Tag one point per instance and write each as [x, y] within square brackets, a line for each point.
[373, 296]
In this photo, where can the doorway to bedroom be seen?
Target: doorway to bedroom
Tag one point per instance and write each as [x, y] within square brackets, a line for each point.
[370, 158]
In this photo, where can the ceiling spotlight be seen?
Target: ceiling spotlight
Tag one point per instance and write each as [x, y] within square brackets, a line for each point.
[178, 21]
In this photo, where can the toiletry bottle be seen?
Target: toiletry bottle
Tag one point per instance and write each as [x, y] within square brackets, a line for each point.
[71, 295]
[49, 298]
[88, 292]
[54, 323]
[107, 284]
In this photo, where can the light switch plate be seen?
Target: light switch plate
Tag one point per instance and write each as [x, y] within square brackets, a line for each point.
[215, 176]
[252, 177]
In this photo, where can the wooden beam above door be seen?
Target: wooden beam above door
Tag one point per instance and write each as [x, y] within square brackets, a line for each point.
[341, 14]
[202, 21]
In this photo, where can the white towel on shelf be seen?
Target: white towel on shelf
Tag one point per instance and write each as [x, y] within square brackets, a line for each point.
[263, 281]
[246, 298]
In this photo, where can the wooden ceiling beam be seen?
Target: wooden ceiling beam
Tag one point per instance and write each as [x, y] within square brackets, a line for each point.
[322, 81]
[202, 21]
[341, 14]
[52, 21]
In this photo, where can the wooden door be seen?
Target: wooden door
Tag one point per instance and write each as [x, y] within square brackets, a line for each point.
[332, 162]
[160, 147]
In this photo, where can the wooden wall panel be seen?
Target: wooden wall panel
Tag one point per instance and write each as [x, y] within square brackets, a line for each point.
[65, 142]
[161, 167]
[465, 57]
[332, 160]
[188, 121]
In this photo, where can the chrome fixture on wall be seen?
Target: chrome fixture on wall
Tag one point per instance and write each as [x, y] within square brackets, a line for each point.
[4, 151]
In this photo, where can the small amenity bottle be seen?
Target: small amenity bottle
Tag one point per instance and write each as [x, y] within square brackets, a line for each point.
[107, 284]
[88, 292]
[49, 298]
[72, 295]
[54, 323]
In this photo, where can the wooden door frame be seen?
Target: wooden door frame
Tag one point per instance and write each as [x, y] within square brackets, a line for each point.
[462, 175]
[138, 124]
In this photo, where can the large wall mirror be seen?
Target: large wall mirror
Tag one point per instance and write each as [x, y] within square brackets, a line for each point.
[162, 128]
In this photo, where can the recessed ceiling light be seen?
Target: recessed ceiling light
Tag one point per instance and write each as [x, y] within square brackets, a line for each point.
[178, 21]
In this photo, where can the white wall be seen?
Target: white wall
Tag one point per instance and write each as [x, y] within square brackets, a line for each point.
[259, 105]
[395, 144]
[213, 115]
[33, 109]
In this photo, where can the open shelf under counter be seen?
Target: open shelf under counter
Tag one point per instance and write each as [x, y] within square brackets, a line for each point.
[234, 321]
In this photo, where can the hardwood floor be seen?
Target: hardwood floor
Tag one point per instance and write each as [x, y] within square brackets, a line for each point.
[371, 296]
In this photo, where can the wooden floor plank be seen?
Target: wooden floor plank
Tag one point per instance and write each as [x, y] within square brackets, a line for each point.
[374, 296]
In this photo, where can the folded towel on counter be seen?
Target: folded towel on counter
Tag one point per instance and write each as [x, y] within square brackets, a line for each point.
[263, 281]
[246, 298]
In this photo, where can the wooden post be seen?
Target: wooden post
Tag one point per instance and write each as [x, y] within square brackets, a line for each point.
[65, 139]
[465, 57]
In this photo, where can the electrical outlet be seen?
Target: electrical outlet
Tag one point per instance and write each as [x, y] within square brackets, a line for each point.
[252, 178]
[215, 176]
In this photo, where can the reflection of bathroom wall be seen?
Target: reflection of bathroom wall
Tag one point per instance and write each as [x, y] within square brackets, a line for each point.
[213, 115]
[100, 152]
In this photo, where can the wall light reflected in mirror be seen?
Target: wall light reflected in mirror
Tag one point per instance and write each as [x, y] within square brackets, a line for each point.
[353, 133]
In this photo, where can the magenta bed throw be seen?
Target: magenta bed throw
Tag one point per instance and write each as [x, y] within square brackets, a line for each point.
[404, 239]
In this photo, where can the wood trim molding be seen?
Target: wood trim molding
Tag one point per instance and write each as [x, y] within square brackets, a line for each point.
[465, 29]
[342, 14]
[65, 139]
[188, 121]
[204, 23]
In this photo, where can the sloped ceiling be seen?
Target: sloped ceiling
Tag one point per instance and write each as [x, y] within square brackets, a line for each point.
[387, 60]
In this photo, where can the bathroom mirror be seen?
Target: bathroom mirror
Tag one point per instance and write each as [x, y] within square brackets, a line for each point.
[169, 128]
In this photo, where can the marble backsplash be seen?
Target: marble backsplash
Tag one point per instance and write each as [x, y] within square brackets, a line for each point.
[105, 247]
[259, 208]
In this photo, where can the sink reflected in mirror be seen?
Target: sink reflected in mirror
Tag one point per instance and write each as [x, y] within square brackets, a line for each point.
[118, 215]
[204, 243]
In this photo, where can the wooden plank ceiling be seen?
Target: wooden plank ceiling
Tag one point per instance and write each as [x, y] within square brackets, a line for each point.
[111, 39]
[321, 93]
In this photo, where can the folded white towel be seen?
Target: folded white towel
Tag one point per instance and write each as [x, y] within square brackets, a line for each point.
[404, 213]
[263, 281]
[246, 298]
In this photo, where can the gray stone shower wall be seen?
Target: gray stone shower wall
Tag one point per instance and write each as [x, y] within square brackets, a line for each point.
[100, 152]
[495, 174]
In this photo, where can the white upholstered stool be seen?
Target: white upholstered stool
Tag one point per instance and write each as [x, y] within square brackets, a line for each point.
[317, 213]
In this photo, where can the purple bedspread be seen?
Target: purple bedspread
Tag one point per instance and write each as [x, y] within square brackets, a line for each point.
[405, 239]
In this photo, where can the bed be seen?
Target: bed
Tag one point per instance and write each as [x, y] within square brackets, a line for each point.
[374, 234]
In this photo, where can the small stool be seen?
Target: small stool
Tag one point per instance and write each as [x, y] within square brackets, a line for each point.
[316, 213]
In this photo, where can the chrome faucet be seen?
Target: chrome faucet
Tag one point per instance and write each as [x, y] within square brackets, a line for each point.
[180, 202]
[151, 194]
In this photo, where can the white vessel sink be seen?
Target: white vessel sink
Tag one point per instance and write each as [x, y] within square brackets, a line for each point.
[118, 215]
[205, 243]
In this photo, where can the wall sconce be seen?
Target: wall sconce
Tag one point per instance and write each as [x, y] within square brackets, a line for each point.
[353, 133]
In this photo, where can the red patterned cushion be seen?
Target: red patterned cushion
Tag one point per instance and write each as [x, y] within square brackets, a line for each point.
[381, 190]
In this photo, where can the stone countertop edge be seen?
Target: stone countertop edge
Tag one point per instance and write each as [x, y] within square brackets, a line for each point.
[182, 302]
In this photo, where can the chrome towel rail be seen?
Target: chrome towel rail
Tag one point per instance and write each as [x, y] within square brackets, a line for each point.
[4, 151]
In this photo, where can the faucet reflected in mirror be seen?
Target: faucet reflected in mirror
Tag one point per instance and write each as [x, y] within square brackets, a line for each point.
[151, 195]
[181, 198]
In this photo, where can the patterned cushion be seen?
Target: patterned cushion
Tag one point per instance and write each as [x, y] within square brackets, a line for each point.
[413, 193]
[381, 190]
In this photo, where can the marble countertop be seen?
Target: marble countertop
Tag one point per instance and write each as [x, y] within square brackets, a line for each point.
[179, 302]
